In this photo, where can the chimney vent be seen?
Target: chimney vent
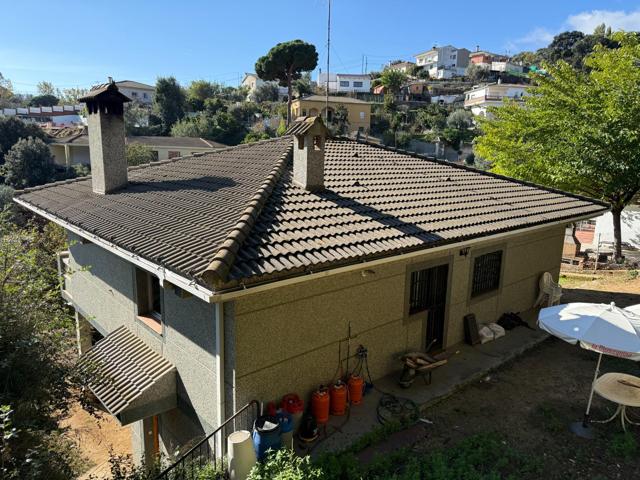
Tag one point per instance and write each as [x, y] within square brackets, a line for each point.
[308, 152]
[105, 119]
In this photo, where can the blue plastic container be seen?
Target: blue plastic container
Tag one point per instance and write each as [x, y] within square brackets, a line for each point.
[285, 419]
[266, 435]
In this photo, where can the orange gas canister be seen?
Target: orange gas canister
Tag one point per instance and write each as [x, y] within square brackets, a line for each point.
[320, 404]
[356, 387]
[338, 393]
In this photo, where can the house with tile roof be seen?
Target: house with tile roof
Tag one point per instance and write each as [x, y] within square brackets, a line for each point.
[73, 149]
[358, 111]
[245, 273]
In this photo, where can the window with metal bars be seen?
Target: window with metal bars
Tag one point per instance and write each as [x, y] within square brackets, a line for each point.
[486, 273]
[419, 294]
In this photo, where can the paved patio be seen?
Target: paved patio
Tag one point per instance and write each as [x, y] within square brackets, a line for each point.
[467, 364]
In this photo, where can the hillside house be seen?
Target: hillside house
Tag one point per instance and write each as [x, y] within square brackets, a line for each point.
[359, 111]
[240, 274]
[480, 98]
[444, 62]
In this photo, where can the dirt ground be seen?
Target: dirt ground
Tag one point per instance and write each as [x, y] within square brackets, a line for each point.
[95, 437]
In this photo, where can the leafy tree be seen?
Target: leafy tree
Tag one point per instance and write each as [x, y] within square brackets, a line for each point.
[432, 117]
[46, 88]
[43, 101]
[476, 73]
[418, 71]
[28, 163]
[70, 96]
[573, 47]
[139, 154]
[527, 58]
[169, 102]
[267, 92]
[198, 92]
[303, 85]
[136, 118]
[285, 63]
[221, 127]
[254, 136]
[340, 121]
[13, 129]
[579, 131]
[393, 80]
[37, 338]
[214, 105]
[282, 128]
[460, 119]
[6, 90]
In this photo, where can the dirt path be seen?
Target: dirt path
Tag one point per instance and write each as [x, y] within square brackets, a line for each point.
[95, 437]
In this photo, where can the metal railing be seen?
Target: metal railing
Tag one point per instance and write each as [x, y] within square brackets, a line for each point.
[212, 449]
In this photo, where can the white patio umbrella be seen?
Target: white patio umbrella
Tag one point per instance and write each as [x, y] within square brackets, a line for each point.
[599, 327]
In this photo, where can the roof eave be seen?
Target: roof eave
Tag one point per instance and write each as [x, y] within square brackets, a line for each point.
[241, 287]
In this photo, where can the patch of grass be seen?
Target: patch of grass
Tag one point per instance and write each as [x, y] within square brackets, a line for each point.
[632, 274]
[550, 419]
[623, 445]
[478, 457]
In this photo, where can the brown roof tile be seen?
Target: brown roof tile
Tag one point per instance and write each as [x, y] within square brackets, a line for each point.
[234, 215]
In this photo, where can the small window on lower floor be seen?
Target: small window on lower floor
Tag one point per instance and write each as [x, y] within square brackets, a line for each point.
[149, 299]
[173, 154]
[486, 273]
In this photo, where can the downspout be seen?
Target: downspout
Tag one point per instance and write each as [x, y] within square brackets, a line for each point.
[220, 363]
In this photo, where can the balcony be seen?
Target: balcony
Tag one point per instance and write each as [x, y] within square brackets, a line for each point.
[64, 274]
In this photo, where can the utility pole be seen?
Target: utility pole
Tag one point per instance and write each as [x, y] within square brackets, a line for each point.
[326, 108]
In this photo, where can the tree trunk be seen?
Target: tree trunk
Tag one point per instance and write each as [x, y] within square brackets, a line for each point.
[289, 92]
[616, 211]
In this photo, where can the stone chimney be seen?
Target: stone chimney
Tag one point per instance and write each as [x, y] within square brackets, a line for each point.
[310, 136]
[105, 106]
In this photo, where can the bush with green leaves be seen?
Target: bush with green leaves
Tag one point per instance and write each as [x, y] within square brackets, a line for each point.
[285, 465]
[28, 163]
[13, 129]
[139, 154]
[222, 127]
[37, 348]
[255, 136]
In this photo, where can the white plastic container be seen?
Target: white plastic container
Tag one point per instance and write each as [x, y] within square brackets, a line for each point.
[241, 454]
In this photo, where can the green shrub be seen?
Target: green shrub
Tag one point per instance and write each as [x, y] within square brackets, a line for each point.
[285, 465]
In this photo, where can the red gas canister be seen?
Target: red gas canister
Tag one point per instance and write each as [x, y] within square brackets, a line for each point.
[320, 404]
[356, 387]
[338, 395]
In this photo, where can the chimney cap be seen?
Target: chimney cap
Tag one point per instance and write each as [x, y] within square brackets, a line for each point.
[105, 97]
[302, 125]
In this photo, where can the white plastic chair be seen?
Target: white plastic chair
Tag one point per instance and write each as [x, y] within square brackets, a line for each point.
[549, 290]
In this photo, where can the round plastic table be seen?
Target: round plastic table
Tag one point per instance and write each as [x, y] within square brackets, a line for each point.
[622, 389]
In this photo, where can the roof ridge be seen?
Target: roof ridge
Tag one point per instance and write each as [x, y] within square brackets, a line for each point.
[217, 271]
[475, 170]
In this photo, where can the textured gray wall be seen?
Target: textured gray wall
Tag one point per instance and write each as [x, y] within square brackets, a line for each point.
[288, 339]
[102, 288]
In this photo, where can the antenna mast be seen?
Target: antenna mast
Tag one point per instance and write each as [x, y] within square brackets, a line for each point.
[326, 108]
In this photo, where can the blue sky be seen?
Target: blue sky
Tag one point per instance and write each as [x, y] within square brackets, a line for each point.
[78, 43]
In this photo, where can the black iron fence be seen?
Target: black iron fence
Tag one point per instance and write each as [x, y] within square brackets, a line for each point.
[210, 452]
